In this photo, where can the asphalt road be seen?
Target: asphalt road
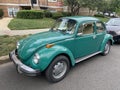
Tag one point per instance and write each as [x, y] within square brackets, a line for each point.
[96, 73]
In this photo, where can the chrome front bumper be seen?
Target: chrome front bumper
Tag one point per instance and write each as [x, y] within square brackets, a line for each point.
[22, 68]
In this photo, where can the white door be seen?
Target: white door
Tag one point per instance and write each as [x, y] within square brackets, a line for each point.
[12, 12]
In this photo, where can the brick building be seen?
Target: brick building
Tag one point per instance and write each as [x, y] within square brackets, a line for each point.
[11, 7]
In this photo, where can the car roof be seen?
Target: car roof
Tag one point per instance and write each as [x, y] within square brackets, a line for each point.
[82, 18]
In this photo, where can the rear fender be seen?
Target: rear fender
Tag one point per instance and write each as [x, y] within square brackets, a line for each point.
[107, 38]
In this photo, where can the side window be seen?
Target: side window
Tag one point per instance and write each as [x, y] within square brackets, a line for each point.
[99, 27]
[88, 28]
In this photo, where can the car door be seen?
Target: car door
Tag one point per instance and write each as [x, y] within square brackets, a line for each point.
[87, 43]
[100, 29]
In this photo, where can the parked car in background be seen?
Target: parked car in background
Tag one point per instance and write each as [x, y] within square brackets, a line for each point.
[69, 41]
[110, 14]
[113, 28]
[106, 14]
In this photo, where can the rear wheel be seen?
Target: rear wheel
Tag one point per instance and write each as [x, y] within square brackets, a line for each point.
[58, 69]
[107, 48]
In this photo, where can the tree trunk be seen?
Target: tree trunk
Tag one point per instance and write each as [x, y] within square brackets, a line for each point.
[89, 11]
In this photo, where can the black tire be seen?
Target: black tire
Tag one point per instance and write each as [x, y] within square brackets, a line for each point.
[58, 69]
[106, 49]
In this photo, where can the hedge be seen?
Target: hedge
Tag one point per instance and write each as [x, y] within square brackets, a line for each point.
[48, 14]
[57, 15]
[35, 14]
[99, 15]
[66, 14]
[30, 14]
[1, 13]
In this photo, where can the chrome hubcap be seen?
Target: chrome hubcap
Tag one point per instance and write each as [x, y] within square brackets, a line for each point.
[107, 48]
[59, 69]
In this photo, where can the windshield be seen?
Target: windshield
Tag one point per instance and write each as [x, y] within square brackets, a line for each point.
[65, 26]
[114, 22]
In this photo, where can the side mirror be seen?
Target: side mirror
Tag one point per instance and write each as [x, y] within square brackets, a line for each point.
[79, 34]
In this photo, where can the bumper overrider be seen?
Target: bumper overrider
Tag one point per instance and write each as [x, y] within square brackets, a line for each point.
[22, 68]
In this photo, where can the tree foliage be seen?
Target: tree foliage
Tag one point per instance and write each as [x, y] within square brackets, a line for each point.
[100, 5]
[91, 5]
[74, 6]
[115, 5]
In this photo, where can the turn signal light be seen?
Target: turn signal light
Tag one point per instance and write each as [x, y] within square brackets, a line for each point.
[49, 45]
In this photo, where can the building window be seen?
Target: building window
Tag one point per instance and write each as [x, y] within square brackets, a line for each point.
[52, 0]
[34, 1]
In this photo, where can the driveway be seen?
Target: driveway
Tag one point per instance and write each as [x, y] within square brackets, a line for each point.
[96, 73]
[4, 30]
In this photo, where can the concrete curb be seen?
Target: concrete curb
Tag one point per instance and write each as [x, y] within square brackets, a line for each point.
[2, 58]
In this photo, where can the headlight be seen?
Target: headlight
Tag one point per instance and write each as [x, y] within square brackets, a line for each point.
[36, 58]
[18, 44]
[118, 32]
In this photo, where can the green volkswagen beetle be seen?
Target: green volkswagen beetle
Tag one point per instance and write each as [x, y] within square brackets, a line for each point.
[69, 41]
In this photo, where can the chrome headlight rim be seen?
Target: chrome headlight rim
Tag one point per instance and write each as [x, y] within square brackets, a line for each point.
[18, 44]
[36, 58]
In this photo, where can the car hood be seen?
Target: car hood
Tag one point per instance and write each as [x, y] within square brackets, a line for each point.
[28, 46]
[113, 28]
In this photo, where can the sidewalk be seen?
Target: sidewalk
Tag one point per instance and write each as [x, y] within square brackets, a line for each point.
[21, 32]
[4, 23]
[4, 30]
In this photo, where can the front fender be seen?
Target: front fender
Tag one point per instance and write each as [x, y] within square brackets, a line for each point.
[48, 54]
[106, 38]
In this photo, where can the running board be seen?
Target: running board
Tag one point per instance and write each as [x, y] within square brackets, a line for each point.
[86, 57]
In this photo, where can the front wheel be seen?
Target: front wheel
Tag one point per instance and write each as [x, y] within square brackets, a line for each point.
[58, 69]
[107, 48]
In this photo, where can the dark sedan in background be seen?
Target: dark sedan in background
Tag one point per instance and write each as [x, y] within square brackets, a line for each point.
[113, 28]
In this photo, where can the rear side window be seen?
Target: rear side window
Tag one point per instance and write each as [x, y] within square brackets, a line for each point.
[99, 27]
[88, 28]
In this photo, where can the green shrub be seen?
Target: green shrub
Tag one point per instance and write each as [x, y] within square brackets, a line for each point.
[47, 14]
[99, 15]
[30, 14]
[66, 14]
[57, 15]
[1, 13]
